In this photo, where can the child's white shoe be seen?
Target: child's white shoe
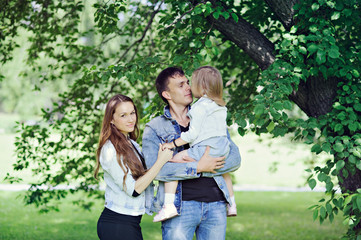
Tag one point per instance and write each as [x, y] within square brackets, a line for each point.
[231, 210]
[168, 211]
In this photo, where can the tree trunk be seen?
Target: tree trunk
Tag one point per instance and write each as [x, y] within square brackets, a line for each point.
[315, 96]
[351, 183]
[283, 10]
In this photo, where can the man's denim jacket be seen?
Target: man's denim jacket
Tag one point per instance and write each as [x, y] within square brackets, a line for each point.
[165, 129]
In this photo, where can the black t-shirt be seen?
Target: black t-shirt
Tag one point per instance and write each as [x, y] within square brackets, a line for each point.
[202, 189]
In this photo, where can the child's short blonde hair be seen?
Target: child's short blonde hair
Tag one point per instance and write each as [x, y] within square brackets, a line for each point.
[208, 80]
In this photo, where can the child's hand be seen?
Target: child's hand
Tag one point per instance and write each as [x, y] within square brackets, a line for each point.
[168, 146]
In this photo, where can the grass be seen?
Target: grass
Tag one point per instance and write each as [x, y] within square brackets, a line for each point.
[261, 215]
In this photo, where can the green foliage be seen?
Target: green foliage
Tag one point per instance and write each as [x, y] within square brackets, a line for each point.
[128, 43]
[324, 44]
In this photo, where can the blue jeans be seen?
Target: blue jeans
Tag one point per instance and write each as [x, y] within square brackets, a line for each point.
[207, 220]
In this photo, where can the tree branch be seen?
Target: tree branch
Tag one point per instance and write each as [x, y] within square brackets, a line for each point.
[283, 10]
[144, 32]
[178, 19]
[246, 37]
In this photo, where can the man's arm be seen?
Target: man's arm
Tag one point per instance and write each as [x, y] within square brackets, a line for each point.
[170, 171]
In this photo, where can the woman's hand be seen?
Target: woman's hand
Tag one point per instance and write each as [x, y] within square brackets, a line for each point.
[168, 145]
[164, 155]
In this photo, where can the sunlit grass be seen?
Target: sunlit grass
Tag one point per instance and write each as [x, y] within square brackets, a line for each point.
[261, 215]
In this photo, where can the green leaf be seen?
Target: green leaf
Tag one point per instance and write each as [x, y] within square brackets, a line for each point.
[338, 147]
[312, 183]
[208, 43]
[358, 202]
[329, 186]
[322, 177]
[235, 17]
[216, 15]
[329, 208]
[345, 88]
[335, 16]
[347, 200]
[355, 73]
[270, 126]
[326, 147]
[242, 123]
[331, 217]
[321, 57]
[259, 109]
[197, 30]
[338, 127]
[303, 50]
[358, 164]
[287, 105]
[334, 53]
[313, 28]
[215, 51]
[315, 7]
[316, 148]
[353, 126]
[278, 105]
[322, 212]
[340, 164]
[352, 159]
[356, 153]
[315, 214]
[225, 15]
[312, 48]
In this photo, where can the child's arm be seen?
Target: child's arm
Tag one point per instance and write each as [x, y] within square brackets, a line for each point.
[176, 143]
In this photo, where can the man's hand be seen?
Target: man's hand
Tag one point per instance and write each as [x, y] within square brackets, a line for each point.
[208, 163]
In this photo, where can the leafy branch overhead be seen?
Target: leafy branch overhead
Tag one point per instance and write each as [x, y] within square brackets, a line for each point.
[275, 56]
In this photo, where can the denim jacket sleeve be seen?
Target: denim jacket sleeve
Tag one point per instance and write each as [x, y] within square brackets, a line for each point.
[110, 165]
[232, 162]
[170, 171]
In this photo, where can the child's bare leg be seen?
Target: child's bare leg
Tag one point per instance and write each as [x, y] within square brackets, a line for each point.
[180, 155]
[231, 208]
[170, 188]
[228, 179]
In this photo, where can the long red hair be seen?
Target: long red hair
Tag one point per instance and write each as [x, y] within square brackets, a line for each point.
[126, 156]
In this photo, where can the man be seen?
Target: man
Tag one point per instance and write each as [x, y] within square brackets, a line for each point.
[202, 193]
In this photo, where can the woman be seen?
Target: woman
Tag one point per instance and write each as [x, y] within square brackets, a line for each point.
[125, 172]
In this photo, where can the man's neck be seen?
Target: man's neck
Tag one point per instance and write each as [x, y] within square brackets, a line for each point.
[179, 113]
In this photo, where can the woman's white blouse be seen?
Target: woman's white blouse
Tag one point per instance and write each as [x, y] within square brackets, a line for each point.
[118, 198]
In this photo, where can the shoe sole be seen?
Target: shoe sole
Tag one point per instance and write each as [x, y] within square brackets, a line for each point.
[232, 215]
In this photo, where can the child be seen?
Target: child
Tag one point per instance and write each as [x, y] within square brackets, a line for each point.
[208, 127]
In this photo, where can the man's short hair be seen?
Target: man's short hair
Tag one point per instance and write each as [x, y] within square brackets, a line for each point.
[162, 81]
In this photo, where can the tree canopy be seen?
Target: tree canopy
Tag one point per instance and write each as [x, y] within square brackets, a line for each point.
[274, 55]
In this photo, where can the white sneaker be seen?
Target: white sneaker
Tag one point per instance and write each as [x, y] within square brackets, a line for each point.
[168, 211]
[231, 210]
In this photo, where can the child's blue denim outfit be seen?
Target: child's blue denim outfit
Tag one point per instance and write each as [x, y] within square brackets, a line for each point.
[208, 127]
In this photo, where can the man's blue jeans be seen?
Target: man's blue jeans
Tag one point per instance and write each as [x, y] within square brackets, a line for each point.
[207, 220]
